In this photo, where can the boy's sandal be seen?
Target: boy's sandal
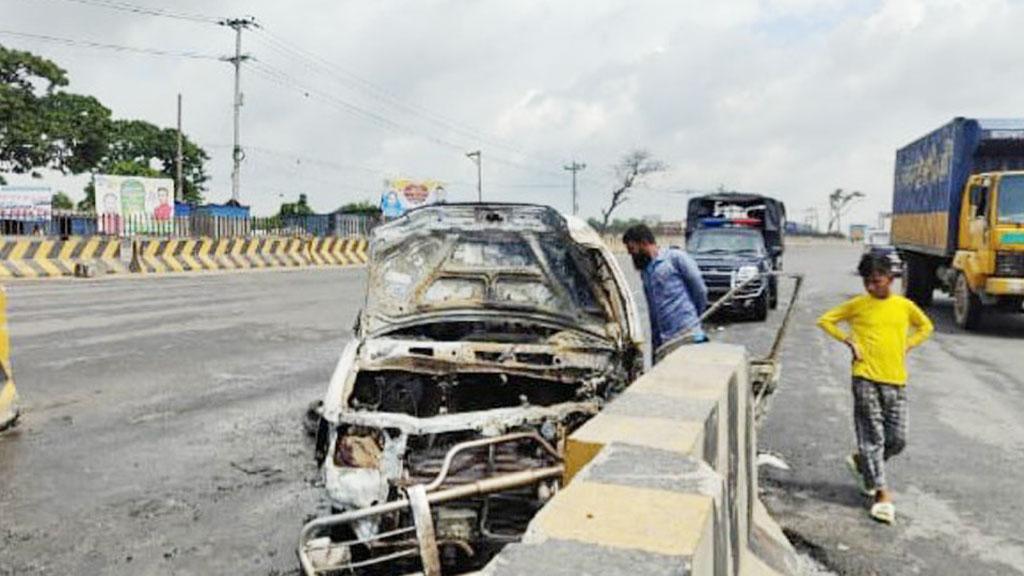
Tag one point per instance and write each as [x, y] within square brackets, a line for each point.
[851, 463]
[884, 512]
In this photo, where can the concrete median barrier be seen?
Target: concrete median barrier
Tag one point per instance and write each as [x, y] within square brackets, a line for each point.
[662, 481]
[200, 254]
[95, 255]
[46, 257]
[338, 251]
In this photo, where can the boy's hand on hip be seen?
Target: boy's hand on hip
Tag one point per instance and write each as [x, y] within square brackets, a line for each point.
[853, 349]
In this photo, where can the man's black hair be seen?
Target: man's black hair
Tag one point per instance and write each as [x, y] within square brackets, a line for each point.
[874, 264]
[639, 234]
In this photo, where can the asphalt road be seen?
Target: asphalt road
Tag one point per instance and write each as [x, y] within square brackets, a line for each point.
[163, 428]
[960, 484]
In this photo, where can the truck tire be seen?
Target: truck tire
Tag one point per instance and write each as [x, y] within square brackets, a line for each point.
[918, 280]
[966, 304]
[760, 310]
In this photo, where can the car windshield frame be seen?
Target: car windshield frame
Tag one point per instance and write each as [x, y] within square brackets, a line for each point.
[750, 236]
[1011, 198]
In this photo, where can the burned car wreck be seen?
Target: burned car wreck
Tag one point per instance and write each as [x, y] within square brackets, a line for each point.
[489, 333]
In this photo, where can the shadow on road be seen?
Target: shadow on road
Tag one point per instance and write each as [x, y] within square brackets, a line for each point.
[843, 494]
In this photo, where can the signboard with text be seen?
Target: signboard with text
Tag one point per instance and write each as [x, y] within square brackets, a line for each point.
[26, 203]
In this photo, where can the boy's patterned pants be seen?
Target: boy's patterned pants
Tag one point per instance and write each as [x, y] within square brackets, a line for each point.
[880, 418]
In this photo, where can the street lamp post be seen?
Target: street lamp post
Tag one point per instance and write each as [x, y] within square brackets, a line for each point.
[475, 156]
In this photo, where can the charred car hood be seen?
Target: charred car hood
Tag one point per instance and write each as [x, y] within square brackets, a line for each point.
[469, 262]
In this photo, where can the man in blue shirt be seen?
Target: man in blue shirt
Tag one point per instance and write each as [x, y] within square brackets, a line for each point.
[676, 294]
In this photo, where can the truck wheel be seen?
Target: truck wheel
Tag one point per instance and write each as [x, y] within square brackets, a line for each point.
[918, 281]
[760, 310]
[966, 304]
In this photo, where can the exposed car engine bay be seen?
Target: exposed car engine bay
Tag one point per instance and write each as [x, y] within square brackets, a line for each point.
[490, 334]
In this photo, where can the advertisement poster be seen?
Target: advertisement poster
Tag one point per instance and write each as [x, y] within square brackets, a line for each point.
[139, 203]
[25, 203]
[403, 195]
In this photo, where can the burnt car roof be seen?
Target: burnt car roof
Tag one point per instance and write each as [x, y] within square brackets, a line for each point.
[520, 261]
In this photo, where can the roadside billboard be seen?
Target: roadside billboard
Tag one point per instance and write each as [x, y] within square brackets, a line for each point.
[25, 203]
[403, 194]
[142, 204]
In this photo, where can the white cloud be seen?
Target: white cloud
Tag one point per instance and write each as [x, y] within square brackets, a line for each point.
[793, 97]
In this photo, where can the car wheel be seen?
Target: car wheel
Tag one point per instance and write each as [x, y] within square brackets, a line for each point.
[761, 305]
[966, 304]
[773, 297]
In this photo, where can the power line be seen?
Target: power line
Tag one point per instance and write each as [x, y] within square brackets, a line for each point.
[136, 9]
[302, 159]
[288, 81]
[282, 78]
[382, 95]
[357, 82]
[114, 47]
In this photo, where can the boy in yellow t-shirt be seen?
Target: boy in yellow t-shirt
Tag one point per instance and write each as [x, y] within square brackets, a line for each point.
[880, 338]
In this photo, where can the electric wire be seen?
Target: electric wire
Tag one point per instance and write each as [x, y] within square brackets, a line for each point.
[105, 46]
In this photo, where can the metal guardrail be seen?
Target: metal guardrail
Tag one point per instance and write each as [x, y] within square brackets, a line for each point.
[63, 224]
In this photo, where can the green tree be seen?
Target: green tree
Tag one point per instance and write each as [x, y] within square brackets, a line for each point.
[143, 144]
[300, 208]
[60, 201]
[25, 81]
[42, 127]
[364, 207]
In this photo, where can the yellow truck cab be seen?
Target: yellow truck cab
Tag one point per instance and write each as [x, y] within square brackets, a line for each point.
[958, 216]
[8, 396]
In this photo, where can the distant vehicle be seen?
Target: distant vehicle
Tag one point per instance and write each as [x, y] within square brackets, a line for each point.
[735, 237]
[958, 216]
[490, 332]
[879, 242]
[857, 232]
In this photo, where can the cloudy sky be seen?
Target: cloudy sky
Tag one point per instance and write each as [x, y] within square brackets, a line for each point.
[792, 98]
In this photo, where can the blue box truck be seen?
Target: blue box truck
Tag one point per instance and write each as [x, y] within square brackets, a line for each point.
[958, 216]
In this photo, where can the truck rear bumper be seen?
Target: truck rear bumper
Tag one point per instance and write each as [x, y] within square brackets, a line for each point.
[1004, 286]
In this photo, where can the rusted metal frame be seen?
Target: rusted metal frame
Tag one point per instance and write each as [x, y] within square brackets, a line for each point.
[379, 560]
[562, 374]
[479, 487]
[425, 536]
[468, 421]
[462, 446]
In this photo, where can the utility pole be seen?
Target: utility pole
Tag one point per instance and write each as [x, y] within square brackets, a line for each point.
[237, 155]
[574, 168]
[180, 193]
[475, 156]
